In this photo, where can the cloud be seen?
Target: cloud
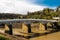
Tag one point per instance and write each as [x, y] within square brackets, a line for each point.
[19, 6]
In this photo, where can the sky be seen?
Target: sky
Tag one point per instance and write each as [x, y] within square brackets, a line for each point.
[24, 6]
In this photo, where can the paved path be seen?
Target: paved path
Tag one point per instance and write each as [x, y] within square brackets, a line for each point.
[53, 36]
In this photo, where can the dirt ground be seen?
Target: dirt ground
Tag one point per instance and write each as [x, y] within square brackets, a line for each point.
[53, 36]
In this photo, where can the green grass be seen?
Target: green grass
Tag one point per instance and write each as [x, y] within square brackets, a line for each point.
[3, 38]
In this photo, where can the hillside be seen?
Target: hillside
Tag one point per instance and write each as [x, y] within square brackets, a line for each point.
[46, 13]
[9, 16]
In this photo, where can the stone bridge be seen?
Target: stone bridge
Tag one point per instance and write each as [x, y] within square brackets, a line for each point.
[29, 25]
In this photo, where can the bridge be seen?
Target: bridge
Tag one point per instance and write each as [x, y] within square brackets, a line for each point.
[19, 20]
[26, 24]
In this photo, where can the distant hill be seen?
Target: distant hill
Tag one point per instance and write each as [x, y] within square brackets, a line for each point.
[46, 13]
[9, 16]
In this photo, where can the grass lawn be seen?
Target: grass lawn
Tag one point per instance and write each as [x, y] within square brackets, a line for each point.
[3, 38]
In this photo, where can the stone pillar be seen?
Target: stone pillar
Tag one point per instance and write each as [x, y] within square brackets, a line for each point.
[24, 28]
[57, 25]
[45, 26]
[35, 27]
[41, 26]
[29, 28]
[8, 29]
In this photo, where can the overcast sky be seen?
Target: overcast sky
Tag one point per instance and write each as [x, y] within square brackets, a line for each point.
[23, 6]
